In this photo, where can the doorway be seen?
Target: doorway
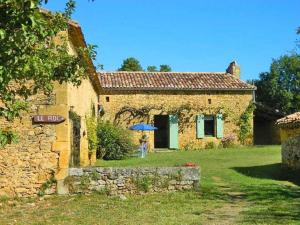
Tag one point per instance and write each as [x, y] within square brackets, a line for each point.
[75, 122]
[161, 135]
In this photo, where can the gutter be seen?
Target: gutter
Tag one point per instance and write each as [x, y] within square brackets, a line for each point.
[178, 89]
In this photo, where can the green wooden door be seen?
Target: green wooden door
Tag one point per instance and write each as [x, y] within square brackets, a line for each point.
[219, 125]
[200, 126]
[173, 132]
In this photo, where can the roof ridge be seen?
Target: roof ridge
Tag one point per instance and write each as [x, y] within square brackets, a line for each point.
[172, 80]
[161, 72]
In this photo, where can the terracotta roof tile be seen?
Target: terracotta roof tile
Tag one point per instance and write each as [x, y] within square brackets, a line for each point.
[292, 120]
[171, 81]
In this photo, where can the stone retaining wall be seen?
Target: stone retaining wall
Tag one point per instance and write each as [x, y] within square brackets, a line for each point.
[291, 153]
[115, 181]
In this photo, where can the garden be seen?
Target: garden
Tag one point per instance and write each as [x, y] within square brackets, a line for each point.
[243, 185]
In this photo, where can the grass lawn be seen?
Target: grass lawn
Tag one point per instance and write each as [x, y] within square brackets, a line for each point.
[238, 186]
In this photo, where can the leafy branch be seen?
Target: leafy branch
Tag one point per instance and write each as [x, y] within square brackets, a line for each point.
[34, 54]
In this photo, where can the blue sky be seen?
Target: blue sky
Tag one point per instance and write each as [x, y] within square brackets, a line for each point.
[189, 35]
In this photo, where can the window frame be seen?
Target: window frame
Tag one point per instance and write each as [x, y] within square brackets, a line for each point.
[209, 118]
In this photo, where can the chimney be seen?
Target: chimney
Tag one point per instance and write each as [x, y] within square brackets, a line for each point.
[234, 69]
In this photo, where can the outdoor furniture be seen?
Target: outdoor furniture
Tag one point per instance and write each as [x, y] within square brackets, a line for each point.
[144, 141]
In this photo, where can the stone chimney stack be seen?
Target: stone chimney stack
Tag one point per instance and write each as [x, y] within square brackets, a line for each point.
[234, 69]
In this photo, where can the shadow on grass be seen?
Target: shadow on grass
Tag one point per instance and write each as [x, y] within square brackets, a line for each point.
[271, 171]
[272, 203]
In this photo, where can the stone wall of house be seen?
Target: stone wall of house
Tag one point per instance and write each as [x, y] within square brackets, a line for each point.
[125, 108]
[288, 132]
[116, 181]
[44, 150]
[84, 102]
[291, 152]
[28, 164]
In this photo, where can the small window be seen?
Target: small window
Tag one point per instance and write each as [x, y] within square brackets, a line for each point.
[209, 126]
[209, 101]
[107, 99]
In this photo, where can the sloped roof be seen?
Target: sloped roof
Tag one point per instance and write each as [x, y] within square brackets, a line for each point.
[292, 120]
[171, 81]
[77, 37]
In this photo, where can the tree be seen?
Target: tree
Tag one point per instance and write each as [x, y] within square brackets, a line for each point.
[152, 69]
[165, 68]
[131, 64]
[280, 87]
[30, 60]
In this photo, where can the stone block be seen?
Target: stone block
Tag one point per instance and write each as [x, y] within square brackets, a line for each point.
[61, 188]
[75, 172]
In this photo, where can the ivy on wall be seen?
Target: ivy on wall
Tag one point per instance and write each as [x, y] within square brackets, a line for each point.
[245, 124]
[186, 113]
[8, 136]
[91, 126]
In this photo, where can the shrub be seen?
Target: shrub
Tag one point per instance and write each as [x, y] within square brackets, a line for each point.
[115, 143]
[190, 147]
[91, 126]
[210, 145]
[228, 141]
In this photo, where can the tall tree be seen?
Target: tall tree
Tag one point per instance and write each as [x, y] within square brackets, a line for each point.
[280, 87]
[29, 58]
[165, 68]
[152, 69]
[131, 64]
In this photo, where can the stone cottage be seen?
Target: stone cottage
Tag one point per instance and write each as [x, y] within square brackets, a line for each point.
[290, 138]
[52, 134]
[189, 109]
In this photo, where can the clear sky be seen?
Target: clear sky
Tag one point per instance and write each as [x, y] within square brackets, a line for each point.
[189, 35]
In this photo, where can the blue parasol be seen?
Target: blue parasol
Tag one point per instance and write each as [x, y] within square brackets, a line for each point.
[142, 127]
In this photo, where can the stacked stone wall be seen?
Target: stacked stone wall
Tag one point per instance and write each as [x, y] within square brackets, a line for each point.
[116, 181]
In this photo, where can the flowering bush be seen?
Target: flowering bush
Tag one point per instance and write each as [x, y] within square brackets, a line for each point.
[228, 141]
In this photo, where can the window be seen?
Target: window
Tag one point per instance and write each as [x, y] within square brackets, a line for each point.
[107, 99]
[209, 126]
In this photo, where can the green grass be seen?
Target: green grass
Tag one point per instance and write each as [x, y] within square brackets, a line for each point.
[238, 186]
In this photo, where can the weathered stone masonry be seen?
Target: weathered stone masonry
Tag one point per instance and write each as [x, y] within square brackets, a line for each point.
[291, 153]
[124, 180]
[45, 150]
[290, 137]
[25, 166]
[190, 103]
[186, 100]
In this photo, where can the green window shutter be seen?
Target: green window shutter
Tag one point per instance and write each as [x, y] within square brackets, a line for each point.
[200, 126]
[173, 131]
[219, 125]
